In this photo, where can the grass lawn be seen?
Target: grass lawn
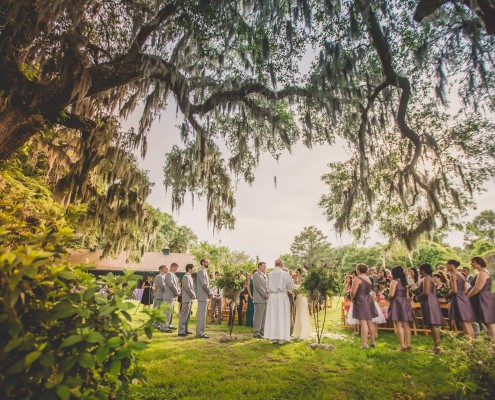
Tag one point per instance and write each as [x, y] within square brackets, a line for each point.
[190, 368]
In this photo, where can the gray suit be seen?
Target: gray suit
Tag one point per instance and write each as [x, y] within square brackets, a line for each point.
[188, 296]
[203, 296]
[159, 285]
[259, 300]
[170, 296]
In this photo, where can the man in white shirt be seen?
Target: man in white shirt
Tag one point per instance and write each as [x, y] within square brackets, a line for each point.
[277, 324]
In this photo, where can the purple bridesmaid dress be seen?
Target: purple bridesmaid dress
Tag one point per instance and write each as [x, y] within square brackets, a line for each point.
[484, 302]
[400, 307]
[364, 307]
[460, 307]
[430, 307]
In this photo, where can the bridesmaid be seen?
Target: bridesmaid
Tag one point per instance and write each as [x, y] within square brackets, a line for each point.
[482, 299]
[400, 310]
[430, 307]
[250, 304]
[364, 306]
[460, 308]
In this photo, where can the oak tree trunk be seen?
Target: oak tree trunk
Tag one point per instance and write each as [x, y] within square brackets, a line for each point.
[16, 128]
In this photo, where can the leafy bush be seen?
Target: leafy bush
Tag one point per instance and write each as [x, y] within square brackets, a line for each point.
[472, 363]
[61, 335]
[231, 282]
[319, 284]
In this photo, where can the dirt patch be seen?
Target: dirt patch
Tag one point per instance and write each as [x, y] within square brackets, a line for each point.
[322, 346]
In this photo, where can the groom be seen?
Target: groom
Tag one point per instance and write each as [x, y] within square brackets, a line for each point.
[277, 325]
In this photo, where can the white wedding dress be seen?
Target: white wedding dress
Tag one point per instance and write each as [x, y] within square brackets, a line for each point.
[302, 322]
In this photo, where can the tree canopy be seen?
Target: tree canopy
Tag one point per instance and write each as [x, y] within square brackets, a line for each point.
[381, 79]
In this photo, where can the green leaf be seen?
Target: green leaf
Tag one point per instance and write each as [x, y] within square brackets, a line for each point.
[107, 310]
[13, 344]
[102, 354]
[90, 292]
[115, 367]
[123, 353]
[32, 357]
[114, 342]
[99, 299]
[94, 337]
[47, 359]
[64, 309]
[139, 346]
[18, 366]
[68, 363]
[148, 332]
[471, 386]
[67, 275]
[85, 360]
[63, 392]
[71, 340]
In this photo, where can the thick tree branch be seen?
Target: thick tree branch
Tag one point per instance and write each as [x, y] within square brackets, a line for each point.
[74, 121]
[244, 91]
[427, 7]
[148, 28]
[485, 9]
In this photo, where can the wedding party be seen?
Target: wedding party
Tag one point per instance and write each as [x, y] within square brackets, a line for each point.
[281, 310]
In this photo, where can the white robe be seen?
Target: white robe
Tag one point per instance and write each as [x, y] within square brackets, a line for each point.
[277, 322]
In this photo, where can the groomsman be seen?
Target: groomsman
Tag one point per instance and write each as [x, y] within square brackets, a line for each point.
[159, 288]
[170, 295]
[203, 295]
[260, 297]
[188, 296]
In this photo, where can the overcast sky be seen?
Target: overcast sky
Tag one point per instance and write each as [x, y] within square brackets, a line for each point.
[268, 217]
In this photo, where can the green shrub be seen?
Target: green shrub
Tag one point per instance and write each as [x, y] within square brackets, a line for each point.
[61, 336]
[472, 363]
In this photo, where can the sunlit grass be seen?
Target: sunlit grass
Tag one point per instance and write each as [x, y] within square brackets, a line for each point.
[190, 368]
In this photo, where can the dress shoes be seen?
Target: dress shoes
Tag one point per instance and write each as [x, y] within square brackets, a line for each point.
[182, 335]
[203, 337]
[189, 333]
[166, 330]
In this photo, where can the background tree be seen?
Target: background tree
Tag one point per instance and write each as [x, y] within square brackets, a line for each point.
[310, 247]
[371, 256]
[481, 227]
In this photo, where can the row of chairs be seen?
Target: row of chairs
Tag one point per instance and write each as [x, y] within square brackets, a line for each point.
[418, 325]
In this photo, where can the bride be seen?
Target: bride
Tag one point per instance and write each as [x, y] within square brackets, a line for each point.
[302, 322]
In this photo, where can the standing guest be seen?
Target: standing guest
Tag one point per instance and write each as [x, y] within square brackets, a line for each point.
[482, 299]
[159, 288]
[460, 308]
[170, 295]
[374, 278]
[259, 299]
[203, 295]
[415, 277]
[440, 267]
[277, 327]
[383, 277]
[216, 301]
[400, 310]
[250, 304]
[363, 305]
[467, 271]
[430, 307]
[242, 300]
[147, 298]
[188, 296]
[302, 322]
